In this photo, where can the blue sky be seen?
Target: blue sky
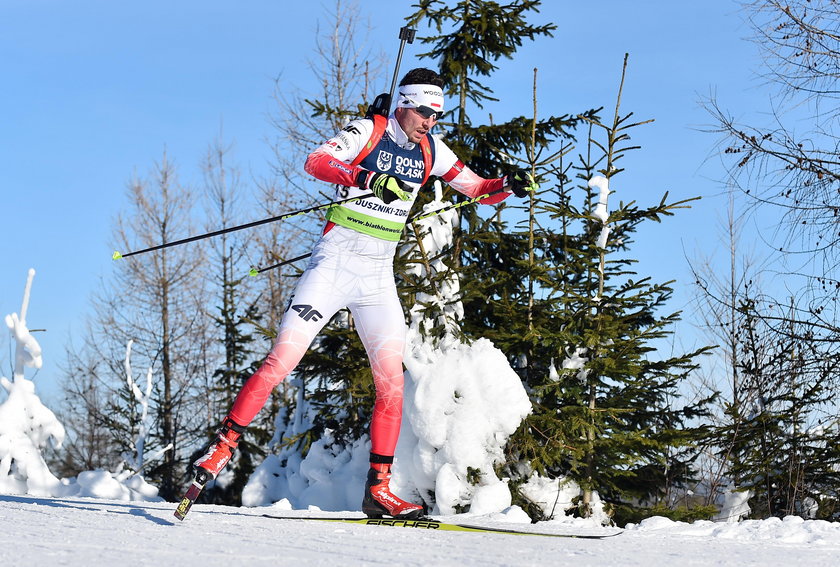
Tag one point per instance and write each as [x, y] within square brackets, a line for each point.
[95, 91]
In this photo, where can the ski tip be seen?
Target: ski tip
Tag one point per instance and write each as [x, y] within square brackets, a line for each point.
[253, 272]
[116, 255]
[186, 502]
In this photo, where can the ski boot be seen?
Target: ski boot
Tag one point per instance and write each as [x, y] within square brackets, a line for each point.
[220, 450]
[380, 501]
[211, 464]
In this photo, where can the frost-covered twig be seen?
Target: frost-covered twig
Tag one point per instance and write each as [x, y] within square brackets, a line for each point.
[27, 349]
[142, 398]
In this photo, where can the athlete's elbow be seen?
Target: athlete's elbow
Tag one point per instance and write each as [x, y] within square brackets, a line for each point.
[310, 165]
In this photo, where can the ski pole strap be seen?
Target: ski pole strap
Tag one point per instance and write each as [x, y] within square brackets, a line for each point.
[118, 255]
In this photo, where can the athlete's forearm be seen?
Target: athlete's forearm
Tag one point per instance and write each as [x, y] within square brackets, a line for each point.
[326, 167]
[466, 181]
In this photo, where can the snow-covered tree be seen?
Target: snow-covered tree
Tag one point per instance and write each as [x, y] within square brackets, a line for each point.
[26, 424]
[28, 427]
[463, 400]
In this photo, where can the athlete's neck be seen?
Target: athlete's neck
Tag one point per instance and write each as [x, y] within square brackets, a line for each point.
[398, 134]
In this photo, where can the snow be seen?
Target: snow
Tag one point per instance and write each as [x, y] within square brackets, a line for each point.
[27, 349]
[552, 495]
[449, 428]
[575, 361]
[734, 505]
[601, 212]
[83, 532]
[142, 398]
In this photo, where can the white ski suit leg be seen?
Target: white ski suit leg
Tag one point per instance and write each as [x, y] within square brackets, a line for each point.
[353, 270]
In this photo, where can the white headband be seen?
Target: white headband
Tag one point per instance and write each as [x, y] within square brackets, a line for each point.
[413, 96]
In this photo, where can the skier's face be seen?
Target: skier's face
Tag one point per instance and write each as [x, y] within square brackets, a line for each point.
[414, 124]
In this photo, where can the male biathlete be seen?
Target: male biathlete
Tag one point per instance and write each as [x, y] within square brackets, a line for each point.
[352, 266]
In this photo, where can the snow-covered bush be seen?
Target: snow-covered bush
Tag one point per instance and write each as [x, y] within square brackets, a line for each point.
[27, 426]
[462, 403]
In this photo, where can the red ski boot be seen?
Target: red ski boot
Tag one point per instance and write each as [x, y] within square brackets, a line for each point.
[379, 500]
[221, 449]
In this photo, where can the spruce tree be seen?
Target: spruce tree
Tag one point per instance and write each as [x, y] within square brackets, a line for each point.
[607, 410]
[574, 319]
[471, 37]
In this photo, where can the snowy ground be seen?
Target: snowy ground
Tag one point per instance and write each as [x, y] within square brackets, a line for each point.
[80, 531]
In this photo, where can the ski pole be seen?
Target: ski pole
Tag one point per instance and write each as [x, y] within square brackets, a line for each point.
[117, 255]
[406, 35]
[257, 271]
[472, 201]
[382, 105]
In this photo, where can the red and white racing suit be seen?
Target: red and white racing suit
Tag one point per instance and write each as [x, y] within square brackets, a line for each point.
[352, 266]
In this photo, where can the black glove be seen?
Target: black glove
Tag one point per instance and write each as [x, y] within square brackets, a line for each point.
[521, 182]
[384, 186]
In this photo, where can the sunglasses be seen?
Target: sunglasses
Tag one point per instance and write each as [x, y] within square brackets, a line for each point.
[423, 110]
[427, 112]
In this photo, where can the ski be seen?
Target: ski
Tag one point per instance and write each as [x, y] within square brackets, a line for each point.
[191, 495]
[432, 524]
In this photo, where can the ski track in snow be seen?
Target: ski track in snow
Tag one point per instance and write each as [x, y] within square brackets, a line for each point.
[49, 531]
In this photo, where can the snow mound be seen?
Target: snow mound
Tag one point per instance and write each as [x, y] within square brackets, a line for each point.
[791, 529]
[462, 403]
[330, 477]
[26, 426]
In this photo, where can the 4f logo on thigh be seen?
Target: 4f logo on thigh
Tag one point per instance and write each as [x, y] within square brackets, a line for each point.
[306, 312]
